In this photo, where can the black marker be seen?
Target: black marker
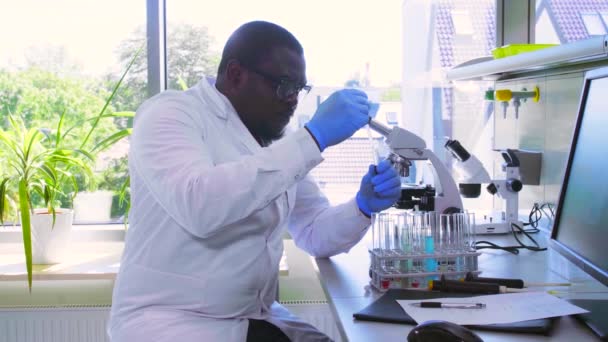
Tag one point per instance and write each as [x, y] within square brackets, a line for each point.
[440, 305]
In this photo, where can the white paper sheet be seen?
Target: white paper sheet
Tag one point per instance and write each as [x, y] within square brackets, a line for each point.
[500, 308]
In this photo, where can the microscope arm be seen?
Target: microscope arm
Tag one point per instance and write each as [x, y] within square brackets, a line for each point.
[412, 147]
[397, 137]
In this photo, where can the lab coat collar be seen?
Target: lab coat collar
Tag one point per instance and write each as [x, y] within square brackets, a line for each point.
[206, 88]
[225, 111]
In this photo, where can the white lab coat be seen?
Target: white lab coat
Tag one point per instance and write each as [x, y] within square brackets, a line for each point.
[209, 206]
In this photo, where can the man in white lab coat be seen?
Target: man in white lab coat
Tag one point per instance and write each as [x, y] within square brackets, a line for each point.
[214, 184]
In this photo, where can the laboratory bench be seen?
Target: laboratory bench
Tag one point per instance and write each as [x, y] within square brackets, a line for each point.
[345, 280]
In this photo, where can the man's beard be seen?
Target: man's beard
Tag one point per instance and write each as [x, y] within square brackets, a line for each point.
[266, 135]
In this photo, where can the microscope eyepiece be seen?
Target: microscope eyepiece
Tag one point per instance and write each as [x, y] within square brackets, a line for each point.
[457, 150]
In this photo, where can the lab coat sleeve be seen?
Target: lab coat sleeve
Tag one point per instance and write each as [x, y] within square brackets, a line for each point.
[170, 153]
[323, 230]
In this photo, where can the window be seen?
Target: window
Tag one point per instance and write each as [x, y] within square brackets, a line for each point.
[65, 56]
[462, 22]
[569, 20]
[593, 24]
[604, 16]
[346, 43]
[433, 31]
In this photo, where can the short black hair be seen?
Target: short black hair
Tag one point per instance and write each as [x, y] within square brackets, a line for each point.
[252, 42]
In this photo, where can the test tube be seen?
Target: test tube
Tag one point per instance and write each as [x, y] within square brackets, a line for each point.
[406, 234]
[416, 248]
[396, 233]
[405, 243]
[385, 239]
[377, 232]
[381, 242]
[445, 223]
[428, 231]
[429, 224]
[417, 222]
[394, 239]
[458, 228]
[470, 235]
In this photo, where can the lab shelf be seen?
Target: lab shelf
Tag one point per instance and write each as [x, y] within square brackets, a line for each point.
[583, 51]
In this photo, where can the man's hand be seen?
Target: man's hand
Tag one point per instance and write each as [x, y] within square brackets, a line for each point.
[380, 188]
[339, 117]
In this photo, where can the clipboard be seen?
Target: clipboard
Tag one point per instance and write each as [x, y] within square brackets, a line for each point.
[386, 309]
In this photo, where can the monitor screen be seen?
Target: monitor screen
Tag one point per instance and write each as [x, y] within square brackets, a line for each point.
[581, 224]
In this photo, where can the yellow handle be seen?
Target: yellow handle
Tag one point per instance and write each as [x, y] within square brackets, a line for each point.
[503, 95]
[536, 94]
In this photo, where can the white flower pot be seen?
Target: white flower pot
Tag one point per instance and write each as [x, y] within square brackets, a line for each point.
[93, 207]
[49, 243]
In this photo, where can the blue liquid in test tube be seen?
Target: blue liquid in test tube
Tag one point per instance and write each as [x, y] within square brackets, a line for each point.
[430, 263]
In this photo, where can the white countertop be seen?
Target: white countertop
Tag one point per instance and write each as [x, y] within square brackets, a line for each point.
[345, 280]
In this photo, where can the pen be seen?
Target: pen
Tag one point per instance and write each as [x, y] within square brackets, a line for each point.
[449, 305]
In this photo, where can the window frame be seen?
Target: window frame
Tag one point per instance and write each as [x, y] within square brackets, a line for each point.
[156, 21]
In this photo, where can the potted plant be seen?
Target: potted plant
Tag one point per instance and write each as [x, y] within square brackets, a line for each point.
[106, 198]
[39, 168]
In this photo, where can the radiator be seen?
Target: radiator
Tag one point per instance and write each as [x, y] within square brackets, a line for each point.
[54, 324]
[88, 323]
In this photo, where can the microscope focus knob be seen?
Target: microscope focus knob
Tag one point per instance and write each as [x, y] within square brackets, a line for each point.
[514, 185]
[492, 189]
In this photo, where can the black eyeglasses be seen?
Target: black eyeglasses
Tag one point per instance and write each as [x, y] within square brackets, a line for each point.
[285, 88]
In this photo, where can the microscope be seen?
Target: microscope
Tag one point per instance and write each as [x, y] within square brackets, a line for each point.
[406, 147]
[473, 174]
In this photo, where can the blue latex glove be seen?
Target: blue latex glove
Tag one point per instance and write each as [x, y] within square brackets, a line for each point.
[339, 117]
[380, 188]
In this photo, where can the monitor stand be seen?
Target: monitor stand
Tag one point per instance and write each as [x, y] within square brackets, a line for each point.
[596, 318]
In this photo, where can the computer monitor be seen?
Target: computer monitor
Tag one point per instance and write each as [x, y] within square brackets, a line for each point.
[580, 232]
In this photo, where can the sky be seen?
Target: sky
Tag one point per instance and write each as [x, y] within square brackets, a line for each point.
[339, 36]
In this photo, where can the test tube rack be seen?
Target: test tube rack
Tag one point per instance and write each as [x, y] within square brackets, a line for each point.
[393, 269]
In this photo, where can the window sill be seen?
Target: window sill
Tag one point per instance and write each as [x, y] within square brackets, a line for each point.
[80, 232]
[95, 255]
[92, 260]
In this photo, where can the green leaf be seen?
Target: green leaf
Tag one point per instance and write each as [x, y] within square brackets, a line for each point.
[111, 140]
[122, 198]
[59, 125]
[126, 220]
[3, 200]
[48, 172]
[182, 84]
[75, 186]
[48, 197]
[81, 122]
[25, 207]
[123, 191]
[122, 115]
[38, 188]
[12, 145]
[32, 137]
[88, 155]
[51, 208]
[107, 103]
